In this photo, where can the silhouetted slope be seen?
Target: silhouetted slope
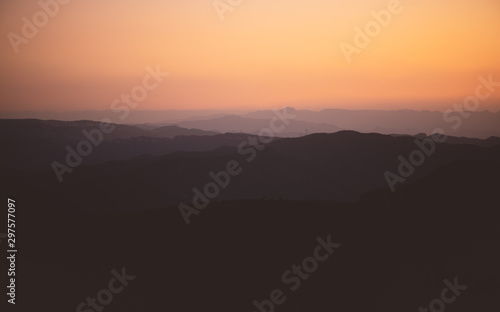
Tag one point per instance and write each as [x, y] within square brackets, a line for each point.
[340, 166]
[396, 249]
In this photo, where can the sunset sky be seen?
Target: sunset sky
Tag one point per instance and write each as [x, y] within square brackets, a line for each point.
[264, 54]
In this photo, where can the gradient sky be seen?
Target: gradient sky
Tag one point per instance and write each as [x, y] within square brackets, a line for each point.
[265, 54]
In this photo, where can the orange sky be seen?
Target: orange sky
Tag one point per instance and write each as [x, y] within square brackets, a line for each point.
[265, 54]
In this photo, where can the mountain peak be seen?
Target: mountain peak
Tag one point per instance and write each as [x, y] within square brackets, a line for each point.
[288, 109]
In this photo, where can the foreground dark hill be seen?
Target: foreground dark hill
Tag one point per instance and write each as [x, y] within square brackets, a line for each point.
[340, 166]
[396, 250]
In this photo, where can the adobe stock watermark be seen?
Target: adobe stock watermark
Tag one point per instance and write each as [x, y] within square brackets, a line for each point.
[95, 137]
[297, 274]
[426, 148]
[105, 296]
[363, 36]
[48, 9]
[221, 180]
[439, 305]
[224, 6]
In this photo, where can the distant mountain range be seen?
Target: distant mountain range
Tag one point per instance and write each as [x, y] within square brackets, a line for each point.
[481, 124]
[477, 125]
[72, 130]
[253, 125]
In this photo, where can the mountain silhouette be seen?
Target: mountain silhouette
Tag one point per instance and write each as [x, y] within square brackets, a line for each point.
[119, 210]
[396, 250]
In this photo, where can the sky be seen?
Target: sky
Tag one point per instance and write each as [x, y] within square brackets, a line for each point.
[262, 54]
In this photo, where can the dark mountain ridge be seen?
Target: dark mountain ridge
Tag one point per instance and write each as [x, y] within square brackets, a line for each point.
[396, 250]
[340, 166]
